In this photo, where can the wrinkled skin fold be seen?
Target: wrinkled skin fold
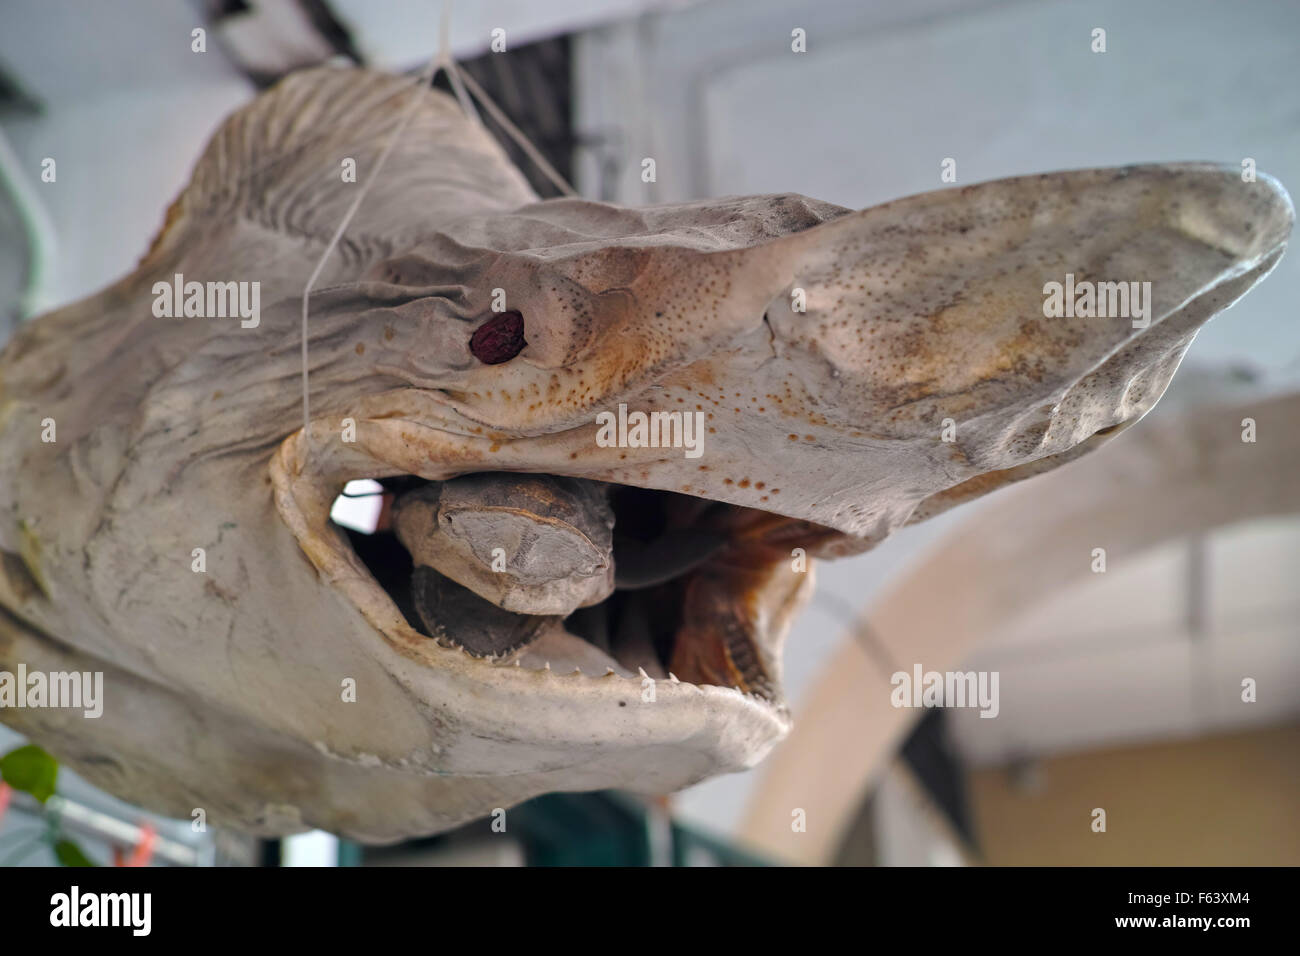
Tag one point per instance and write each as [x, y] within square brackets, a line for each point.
[823, 432]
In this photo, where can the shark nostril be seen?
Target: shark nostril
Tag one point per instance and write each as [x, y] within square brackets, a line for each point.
[499, 339]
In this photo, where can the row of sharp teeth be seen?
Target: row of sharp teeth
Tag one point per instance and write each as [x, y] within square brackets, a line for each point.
[504, 660]
[501, 661]
[742, 655]
[672, 678]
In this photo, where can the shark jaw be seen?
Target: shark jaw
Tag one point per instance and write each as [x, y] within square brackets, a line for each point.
[713, 629]
[692, 663]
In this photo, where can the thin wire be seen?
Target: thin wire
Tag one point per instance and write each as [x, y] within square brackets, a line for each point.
[42, 237]
[338, 233]
[443, 55]
[453, 76]
[520, 139]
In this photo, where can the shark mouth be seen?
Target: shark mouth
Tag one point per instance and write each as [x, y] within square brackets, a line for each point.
[572, 575]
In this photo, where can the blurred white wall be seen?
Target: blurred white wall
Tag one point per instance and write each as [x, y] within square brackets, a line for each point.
[127, 109]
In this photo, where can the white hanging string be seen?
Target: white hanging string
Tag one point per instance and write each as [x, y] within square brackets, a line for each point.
[453, 76]
[338, 234]
[520, 139]
[441, 60]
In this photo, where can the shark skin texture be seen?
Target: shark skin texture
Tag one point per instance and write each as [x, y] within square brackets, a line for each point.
[283, 687]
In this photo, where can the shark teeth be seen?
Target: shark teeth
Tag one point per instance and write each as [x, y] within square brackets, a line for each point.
[559, 650]
[514, 662]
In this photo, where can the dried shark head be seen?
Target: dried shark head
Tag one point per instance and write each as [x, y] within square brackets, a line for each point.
[851, 372]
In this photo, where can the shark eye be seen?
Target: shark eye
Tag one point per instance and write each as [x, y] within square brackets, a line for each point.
[499, 339]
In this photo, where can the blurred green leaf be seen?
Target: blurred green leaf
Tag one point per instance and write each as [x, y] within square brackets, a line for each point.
[31, 770]
[69, 854]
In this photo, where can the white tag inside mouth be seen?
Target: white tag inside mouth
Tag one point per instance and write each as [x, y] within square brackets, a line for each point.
[359, 506]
